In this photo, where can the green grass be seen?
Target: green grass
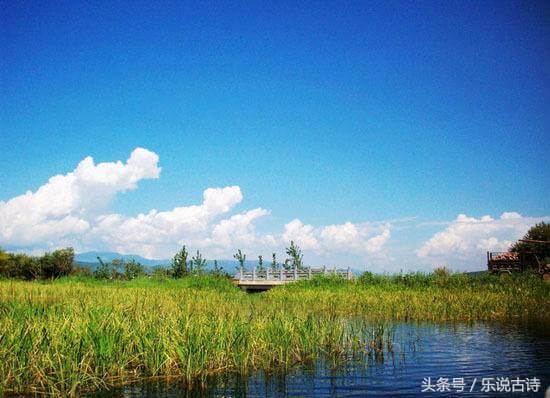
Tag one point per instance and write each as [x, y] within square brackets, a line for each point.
[77, 334]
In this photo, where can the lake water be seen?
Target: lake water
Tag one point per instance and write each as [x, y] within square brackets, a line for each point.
[479, 359]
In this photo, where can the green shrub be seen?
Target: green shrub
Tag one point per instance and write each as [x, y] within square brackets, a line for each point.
[536, 234]
[50, 265]
[179, 264]
[133, 269]
[56, 264]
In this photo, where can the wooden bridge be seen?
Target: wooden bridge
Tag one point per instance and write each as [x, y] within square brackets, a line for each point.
[260, 280]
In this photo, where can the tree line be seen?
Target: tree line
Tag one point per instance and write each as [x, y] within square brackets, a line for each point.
[48, 266]
[61, 263]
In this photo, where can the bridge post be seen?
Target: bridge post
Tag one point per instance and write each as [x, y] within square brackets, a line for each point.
[267, 274]
[349, 273]
[241, 273]
[324, 269]
[254, 273]
[281, 273]
[309, 272]
[295, 273]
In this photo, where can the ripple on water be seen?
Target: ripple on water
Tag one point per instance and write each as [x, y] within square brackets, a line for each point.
[420, 350]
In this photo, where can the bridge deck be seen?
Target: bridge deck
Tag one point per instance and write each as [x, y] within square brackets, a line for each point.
[259, 280]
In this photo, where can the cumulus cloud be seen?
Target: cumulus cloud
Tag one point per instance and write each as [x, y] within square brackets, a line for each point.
[156, 234]
[361, 239]
[468, 238]
[302, 234]
[63, 205]
[72, 210]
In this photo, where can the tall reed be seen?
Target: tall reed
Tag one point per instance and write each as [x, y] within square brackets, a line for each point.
[77, 334]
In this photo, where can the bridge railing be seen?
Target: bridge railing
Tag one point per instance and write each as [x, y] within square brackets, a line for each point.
[293, 274]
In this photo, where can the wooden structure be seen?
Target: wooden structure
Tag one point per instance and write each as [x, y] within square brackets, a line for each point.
[260, 280]
[508, 262]
[504, 262]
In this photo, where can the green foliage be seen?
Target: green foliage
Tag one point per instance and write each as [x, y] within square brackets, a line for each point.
[79, 271]
[218, 270]
[197, 264]
[539, 232]
[22, 266]
[68, 336]
[261, 267]
[4, 259]
[133, 269]
[241, 258]
[368, 278]
[179, 264]
[287, 265]
[296, 256]
[274, 263]
[161, 273]
[103, 271]
[50, 265]
[118, 269]
[58, 263]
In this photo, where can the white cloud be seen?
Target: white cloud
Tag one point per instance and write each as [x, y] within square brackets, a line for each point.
[72, 210]
[361, 239]
[62, 206]
[302, 234]
[239, 231]
[157, 234]
[466, 239]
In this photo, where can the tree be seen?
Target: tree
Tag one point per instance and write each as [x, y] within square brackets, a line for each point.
[50, 265]
[295, 254]
[217, 270]
[179, 264]
[241, 258]
[133, 269]
[286, 264]
[103, 271]
[274, 263]
[5, 264]
[261, 263]
[56, 264]
[24, 267]
[117, 268]
[533, 243]
[64, 261]
[198, 264]
[160, 272]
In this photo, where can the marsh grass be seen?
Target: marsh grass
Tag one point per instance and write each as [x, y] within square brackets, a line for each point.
[77, 334]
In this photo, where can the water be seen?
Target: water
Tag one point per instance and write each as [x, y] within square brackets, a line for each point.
[419, 351]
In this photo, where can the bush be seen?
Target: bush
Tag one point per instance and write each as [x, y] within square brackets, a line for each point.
[541, 233]
[112, 270]
[179, 264]
[368, 278]
[81, 271]
[56, 264]
[24, 267]
[133, 269]
[49, 266]
[103, 271]
[160, 272]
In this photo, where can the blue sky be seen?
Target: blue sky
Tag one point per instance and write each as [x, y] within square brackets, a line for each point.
[326, 112]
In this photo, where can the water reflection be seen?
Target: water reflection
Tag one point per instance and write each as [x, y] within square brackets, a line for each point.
[394, 365]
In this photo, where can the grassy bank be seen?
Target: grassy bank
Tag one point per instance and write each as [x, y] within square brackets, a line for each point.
[74, 334]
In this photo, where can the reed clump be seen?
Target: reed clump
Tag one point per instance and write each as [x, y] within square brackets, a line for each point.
[77, 334]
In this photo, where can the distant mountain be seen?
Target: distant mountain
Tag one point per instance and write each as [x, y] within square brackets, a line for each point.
[91, 257]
